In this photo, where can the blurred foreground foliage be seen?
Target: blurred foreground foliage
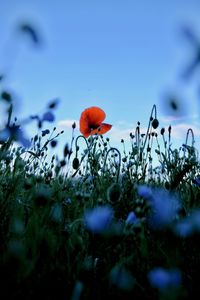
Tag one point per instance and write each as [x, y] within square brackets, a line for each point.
[101, 223]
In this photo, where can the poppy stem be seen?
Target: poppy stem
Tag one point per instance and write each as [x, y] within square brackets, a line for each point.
[119, 166]
[89, 152]
[154, 110]
[186, 140]
[76, 141]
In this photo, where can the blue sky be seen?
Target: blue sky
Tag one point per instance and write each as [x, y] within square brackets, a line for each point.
[120, 55]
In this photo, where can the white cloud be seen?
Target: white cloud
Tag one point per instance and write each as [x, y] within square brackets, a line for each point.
[123, 129]
[170, 118]
[67, 124]
[180, 130]
[119, 132]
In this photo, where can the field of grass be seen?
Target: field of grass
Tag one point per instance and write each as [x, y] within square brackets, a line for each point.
[99, 223]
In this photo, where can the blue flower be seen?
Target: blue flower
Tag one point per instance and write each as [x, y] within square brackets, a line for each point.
[44, 132]
[144, 191]
[131, 219]
[164, 205]
[184, 228]
[48, 116]
[4, 135]
[15, 133]
[188, 225]
[163, 279]
[98, 220]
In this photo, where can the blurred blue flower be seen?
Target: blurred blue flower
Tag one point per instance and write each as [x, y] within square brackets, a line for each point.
[131, 219]
[4, 135]
[15, 133]
[164, 204]
[144, 191]
[48, 116]
[46, 131]
[98, 219]
[184, 228]
[165, 208]
[163, 279]
[188, 225]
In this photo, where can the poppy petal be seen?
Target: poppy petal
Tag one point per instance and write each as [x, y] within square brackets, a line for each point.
[103, 128]
[93, 115]
[84, 125]
[91, 121]
[91, 118]
[86, 134]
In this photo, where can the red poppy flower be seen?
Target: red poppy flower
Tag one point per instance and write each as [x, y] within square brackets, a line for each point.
[91, 121]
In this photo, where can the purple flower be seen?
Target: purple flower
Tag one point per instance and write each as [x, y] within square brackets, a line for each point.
[98, 219]
[163, 279]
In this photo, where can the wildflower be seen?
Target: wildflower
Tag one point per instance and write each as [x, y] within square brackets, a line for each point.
[91, 122]
[44, 132]
[48, 116]
[188, 225]
[144, 191]
[131, 219]
[165, 208]
[163, 279]
[15, 133]
[98, 220]
[184, 228]
[164, 204]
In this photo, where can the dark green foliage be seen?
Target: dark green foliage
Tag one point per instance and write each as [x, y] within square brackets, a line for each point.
[46, 250]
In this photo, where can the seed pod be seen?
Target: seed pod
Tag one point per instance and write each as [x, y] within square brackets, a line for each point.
[162, 131]
[66, 150]
[114, 193]
[75, 163]
[155, 123]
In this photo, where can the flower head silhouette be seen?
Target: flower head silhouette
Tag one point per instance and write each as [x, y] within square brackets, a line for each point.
[91, 121]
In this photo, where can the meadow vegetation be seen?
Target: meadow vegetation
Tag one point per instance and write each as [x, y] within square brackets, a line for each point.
[98, 222]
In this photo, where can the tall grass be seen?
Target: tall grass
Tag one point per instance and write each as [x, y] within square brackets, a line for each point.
[100, 223]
